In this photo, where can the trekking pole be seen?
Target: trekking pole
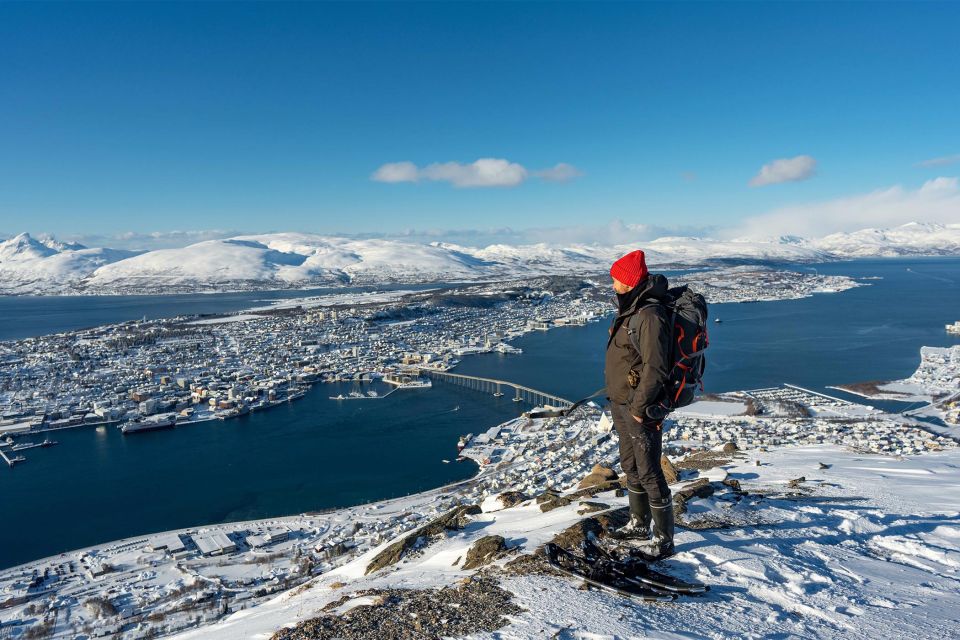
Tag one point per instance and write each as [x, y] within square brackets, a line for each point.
[560, 413]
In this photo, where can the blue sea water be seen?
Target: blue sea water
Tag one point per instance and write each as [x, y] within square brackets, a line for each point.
[98, 485]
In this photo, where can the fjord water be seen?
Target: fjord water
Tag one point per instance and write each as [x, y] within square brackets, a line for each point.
[98, 485]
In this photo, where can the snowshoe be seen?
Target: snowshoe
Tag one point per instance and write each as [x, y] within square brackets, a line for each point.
[602, 575]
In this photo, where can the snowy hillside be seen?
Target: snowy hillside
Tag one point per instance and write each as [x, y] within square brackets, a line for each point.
[282, 260]
[32, 265]
[913, 238]
[863, 547]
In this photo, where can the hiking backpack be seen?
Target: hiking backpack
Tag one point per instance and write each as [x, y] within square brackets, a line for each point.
[688, 323]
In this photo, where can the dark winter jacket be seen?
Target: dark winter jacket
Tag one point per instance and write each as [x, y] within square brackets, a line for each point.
[653, 336]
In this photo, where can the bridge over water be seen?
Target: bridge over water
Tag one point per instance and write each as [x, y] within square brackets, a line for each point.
[496, 387]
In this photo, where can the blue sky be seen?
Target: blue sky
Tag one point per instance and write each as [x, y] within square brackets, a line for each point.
[140, 117]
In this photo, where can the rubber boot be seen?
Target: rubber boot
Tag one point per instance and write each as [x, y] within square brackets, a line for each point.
[638, 527]
[661, 544]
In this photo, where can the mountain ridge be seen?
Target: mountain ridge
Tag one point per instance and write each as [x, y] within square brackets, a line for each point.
[46, 266]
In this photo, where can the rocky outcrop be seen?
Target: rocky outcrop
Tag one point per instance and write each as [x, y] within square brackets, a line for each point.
[453, 520]
[511, 498]
[484, 551]
[598, 475]
[699, 489]
[587, 506]
[703, 460]
[670, 472]
[473, 606]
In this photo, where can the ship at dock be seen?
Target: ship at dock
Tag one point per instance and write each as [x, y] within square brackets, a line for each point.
[150, 423]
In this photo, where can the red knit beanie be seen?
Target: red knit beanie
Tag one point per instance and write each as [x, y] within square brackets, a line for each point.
[631, 269]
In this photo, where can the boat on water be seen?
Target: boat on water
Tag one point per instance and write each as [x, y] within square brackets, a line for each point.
[355, 394]
[718, 320]
[296, 395]
[498, 394]
[373, 394]
[150, 423]
[33, 445]
[463, 442]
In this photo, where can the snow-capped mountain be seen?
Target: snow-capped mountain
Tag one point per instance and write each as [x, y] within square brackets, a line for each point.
[913, 238]
[44, 265]
[279, 260]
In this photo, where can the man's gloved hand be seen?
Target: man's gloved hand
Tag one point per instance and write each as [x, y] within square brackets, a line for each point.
[656, 412]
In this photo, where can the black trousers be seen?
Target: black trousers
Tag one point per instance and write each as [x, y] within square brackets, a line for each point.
[641, 445]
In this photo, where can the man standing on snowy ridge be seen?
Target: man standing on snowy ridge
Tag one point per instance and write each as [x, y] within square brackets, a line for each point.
[636, 369]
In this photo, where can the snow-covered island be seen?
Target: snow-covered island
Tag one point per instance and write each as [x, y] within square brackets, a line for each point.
[935, 384]
[46, 266]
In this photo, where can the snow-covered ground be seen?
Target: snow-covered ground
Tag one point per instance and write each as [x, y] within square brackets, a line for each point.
[870, 549]
[709, 408]
[297, 260]
[814, 537]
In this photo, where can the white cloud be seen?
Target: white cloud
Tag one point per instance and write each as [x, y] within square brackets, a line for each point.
[484, 172]
[937, 200]
[784, 170]
[612, 233]
[941, 161]
[560, 172]
[396, 172]
[149, 240]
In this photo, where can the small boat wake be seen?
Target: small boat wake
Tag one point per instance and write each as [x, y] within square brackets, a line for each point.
[930, 276]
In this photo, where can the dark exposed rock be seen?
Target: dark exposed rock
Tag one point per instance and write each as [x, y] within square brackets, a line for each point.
[529, 564]
[824, 465]
[698, 489]
[730, 448]
[598, 475]
[703, 460]
[511, 498]
[597, 488]
[455, 519]
[796, 482]
[669, 471]
[733, 483]
[548, 495]
[554, 502]
[484, 551]
[613, 519]
[590, 507]
[473, 606]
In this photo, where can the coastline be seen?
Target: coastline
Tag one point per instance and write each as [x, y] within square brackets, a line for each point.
[390, 297]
